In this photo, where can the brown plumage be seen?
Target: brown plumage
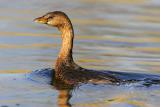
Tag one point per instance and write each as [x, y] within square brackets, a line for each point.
[66, 69]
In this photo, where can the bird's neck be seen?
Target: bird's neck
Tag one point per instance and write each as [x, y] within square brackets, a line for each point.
[65, 53]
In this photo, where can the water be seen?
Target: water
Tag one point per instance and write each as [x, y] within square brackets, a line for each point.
[109, 34]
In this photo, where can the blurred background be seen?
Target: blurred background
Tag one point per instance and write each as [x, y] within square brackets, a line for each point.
[119, 35]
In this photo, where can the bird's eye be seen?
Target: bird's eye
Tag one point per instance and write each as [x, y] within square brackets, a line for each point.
[50, 17]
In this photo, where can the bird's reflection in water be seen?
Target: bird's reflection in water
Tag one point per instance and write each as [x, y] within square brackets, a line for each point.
[65, 93]
[63, 98]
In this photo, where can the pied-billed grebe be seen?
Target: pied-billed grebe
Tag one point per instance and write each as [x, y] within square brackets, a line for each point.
[66, 69]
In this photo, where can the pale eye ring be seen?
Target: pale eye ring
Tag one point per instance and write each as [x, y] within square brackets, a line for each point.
[49, 19]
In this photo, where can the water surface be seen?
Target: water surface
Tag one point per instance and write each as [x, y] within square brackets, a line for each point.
[113, 35]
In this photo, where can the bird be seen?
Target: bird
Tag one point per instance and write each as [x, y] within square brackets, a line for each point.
[66, 70]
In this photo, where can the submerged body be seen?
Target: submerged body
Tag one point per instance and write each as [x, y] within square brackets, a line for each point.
[66, 69]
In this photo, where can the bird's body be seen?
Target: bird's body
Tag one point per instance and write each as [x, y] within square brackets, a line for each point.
[66, 69]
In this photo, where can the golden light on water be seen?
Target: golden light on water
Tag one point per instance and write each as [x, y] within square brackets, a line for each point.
[116, 35]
